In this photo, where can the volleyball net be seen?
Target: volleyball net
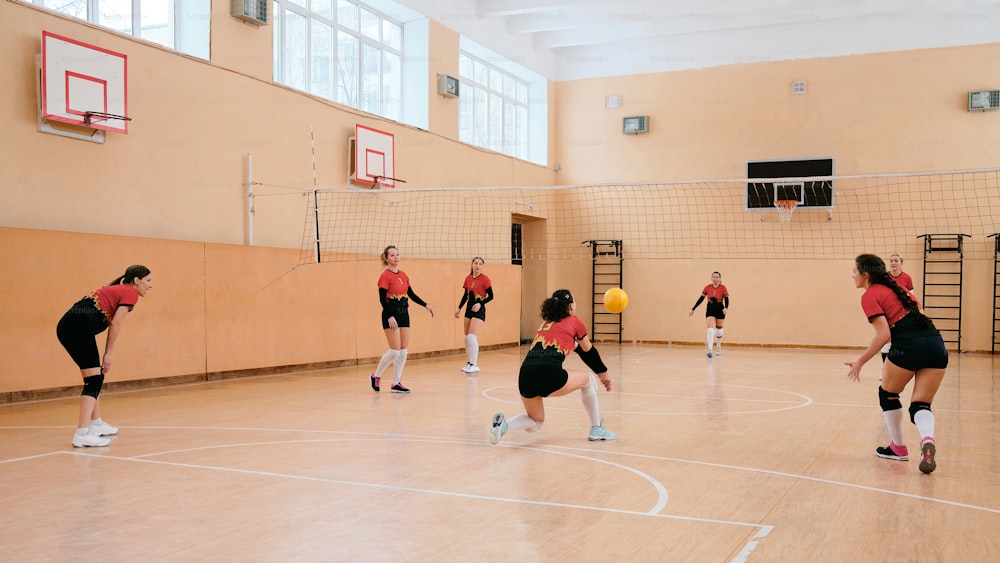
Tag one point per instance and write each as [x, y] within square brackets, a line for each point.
[673, 220]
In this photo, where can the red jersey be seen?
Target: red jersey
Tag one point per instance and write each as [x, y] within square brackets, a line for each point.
[560, 337]
[903, 280]
[110, 297]
[475, 287]
[395, 284]
[881, 300]
[715, 293]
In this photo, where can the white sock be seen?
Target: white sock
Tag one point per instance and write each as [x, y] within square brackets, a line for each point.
[522, 422]
[397, 367]
[894, 422]
[387, 358]
[472, 348]
[924, 419]
[96, 422]
[589, 396]
[709, 338]
[718, 336]
[82, 431]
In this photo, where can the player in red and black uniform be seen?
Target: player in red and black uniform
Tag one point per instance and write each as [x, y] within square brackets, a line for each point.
[477, 291]
[542, 373]
[715, 312]
[395, 293]
[917, 352]
[104, 309]
[902, 279]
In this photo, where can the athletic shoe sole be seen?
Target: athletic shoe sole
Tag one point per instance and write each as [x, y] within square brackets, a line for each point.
[927, 463]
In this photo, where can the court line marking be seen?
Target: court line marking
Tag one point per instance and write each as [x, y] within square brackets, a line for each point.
[806, 400]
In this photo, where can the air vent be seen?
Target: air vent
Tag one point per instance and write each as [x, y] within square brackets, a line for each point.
[984, 100]
[635, 124]
[252, 11]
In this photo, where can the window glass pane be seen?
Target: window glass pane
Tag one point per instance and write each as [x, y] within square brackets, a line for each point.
[323, 8]
[465, 66]
[508, 86]
[277, 46]
[295, 50]
[115, 14]
[157, 22]
[75, 8]
[522, 93]
[521, 144]
[371, 61]
[481, 117]
[321, 57]
[509, 131]
[392, 85]
[392, 35]
[347, 69]
[496, 80]
[496, 123]
[347, 14]
[481, 73]
[303, 3]
[465, 116]
[369, 24]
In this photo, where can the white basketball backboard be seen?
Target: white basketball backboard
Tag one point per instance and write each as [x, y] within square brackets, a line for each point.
[83, 84]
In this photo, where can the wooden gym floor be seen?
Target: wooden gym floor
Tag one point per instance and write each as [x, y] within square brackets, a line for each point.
[758, 455]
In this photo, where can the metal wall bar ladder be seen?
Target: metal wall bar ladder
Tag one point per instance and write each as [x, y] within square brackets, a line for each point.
[606, 274]
[942, 287]
[996, 290]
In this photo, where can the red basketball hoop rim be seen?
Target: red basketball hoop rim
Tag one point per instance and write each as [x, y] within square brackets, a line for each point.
[786, 204]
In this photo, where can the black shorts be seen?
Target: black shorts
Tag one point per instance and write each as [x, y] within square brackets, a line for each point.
[480, 314]
[541, 378]
[402, 315]
[76, 331]
[917, 353]
[714, 309]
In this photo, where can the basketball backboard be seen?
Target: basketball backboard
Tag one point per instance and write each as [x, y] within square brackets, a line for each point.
[83, 84]
[770, 181]
[373, 157]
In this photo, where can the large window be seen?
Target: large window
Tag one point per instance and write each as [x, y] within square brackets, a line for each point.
[342, 51]
[494, 107]
[182, 25]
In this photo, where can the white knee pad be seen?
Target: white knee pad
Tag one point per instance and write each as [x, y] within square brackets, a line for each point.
[718, 332]
[535, 428]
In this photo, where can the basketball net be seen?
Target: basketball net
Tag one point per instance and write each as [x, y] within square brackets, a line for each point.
[785, 209]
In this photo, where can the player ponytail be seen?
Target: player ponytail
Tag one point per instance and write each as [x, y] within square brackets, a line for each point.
[875, 268]
[556, 308]
[131, 273]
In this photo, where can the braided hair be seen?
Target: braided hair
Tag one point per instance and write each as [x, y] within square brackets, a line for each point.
[556, 308]
[877, 273]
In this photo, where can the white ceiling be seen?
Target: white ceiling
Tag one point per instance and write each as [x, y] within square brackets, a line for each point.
[573, 39]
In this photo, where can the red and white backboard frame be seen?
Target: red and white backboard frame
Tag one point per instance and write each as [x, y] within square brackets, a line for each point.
[374, 157]
[80, 80]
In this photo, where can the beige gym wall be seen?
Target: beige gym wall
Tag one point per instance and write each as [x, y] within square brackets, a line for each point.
[172, 194]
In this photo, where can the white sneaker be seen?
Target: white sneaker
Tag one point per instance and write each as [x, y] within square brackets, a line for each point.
[498, 429]
[471, 368]
[465, 368]
[103, 429]
[718, 351]
[89, 440]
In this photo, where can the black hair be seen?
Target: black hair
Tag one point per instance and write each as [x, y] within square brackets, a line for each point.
[556, 308]
[132, 272]
[877, 273]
